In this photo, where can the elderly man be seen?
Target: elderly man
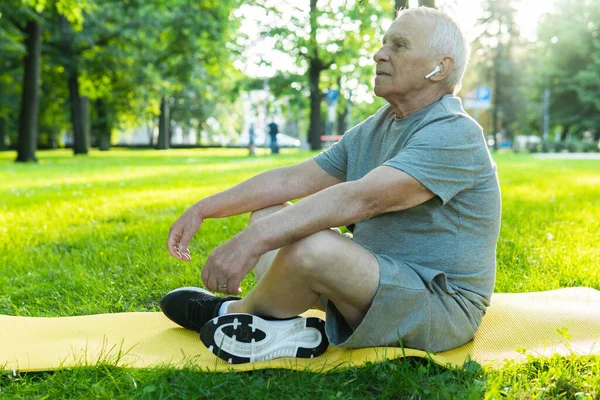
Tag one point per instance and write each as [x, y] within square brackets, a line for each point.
[418, 186]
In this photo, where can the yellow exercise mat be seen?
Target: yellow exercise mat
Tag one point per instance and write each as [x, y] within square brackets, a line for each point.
[562, 321]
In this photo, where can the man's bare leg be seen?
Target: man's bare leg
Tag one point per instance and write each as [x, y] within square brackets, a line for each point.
[267, 259]
[324, 263]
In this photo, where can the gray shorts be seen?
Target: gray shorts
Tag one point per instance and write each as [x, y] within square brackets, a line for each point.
[415, 310]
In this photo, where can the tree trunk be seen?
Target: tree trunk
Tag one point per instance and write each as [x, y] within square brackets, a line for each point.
[314, 73]
[565, 132]
[52, 138]
[28, 119]
[199, 134]
[103, 129]
[85, 124]
[341, 121]
[399, 5]
[80, 144]
[3, 134]
[150, 133]
[495, 125]
[427, 3]
[163, 125]
[314, 137]
[497, 95]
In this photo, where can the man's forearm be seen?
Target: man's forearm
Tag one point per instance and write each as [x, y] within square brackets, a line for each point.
[266, 189]
[258, 192]
[338, 205]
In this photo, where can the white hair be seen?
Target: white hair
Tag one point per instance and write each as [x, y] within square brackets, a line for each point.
[446, 38]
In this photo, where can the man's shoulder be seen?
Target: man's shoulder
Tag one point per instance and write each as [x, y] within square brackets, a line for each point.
[385, 112]
[449, 116]
[448, 107]
[366, 127]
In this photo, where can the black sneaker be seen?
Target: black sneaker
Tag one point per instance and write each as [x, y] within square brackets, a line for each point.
[192, 307]
[242, 338]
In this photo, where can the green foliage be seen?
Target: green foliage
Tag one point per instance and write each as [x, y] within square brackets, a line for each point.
[346, 37]
[86, 235]
[565, 58]
[547, 378]
[569, 43]
[127, 53]
[12, 50]
[131, 53]
[143, 51]
[497, 63]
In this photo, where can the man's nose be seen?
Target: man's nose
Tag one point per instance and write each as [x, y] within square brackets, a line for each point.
[380, 55]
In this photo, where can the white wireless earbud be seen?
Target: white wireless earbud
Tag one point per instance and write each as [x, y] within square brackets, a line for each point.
[432, 73]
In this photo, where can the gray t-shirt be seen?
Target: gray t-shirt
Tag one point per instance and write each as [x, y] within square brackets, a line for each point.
[450, 240]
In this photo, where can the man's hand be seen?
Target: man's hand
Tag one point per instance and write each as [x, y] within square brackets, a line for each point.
[229, 263]
[181, 233]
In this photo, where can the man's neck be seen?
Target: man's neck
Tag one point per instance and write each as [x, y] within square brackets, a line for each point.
[405, 106]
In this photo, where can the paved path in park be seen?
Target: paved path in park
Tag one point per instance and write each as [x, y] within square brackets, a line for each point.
[572, 156]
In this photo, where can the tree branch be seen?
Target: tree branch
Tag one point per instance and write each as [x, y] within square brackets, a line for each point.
[12, 20]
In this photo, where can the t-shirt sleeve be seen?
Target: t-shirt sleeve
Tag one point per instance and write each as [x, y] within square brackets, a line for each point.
[334, 160]
[441, 156]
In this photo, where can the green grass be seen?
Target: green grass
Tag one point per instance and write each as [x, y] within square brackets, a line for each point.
[84, 235]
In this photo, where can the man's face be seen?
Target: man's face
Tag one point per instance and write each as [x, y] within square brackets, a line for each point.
[403, 60]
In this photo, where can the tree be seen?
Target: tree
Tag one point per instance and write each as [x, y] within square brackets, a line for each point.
[496, 56]
[111, 53]
[27, 21]
[569, 43]
[12, 50]
[102, 125]
[187, 55]
[164, 125]
[319, 47]
[80, 139]
[28, 118]
[402, 4]
[427, 3]
[28, 17]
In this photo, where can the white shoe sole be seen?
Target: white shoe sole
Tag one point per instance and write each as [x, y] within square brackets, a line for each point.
[242, 338]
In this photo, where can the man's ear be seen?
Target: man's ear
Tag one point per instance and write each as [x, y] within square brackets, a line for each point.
[446, 65]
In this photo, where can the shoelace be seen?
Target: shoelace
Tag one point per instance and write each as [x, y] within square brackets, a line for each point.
[198, 311]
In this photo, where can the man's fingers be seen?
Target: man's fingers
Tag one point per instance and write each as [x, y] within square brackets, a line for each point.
[205, 276]
[234, 289]
[229, 286]
[183, 246]
[177, 244]
[221, 284]
[185, 253]
[219, 275]
[173, 246]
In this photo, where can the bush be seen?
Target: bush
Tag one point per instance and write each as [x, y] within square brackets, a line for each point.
[591, 147]
[572, 146]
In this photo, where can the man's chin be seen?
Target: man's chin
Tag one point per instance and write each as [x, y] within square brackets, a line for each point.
[378, 92]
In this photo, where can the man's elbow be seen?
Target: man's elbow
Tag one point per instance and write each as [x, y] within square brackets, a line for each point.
[371, 208]
[368, 203]
[373, 202]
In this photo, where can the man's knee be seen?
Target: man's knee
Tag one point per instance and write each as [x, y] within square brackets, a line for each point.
[307, 255]
[258, 214]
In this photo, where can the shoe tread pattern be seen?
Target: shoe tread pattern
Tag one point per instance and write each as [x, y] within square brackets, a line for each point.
[242, 329]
